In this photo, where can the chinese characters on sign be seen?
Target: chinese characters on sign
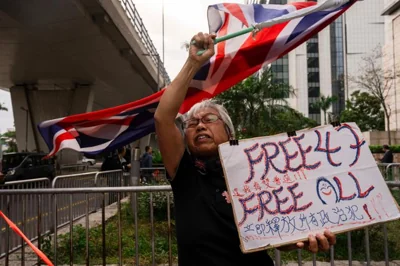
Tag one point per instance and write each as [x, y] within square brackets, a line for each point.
[282, 188]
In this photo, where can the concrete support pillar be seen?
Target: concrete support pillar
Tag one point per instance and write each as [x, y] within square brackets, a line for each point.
[298, 65]
[43, 104]
[325, 67]
[145, 141]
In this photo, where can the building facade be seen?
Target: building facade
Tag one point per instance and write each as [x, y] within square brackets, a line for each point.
[323, 65]
[391, 58]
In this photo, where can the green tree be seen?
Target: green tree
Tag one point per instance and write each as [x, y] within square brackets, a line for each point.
[11, 140]
[2, 107]
[259, 107]
[365, 110]
[323, 104]
[288, 119]
[377, 81]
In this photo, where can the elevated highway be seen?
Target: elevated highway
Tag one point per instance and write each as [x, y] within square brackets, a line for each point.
[65, 57]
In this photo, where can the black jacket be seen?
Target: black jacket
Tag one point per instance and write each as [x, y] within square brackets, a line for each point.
[387, 157]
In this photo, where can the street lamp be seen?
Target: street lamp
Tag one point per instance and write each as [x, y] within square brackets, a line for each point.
[158, 68]
[26, 127]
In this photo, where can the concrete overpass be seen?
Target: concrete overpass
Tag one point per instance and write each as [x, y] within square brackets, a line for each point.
[65, 57]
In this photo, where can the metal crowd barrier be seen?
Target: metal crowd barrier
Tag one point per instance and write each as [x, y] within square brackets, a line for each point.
[134, 191]
[390, 171]
[70, 192]
[382, 168]
[30, 213]
[26, 210]
[393, 172]
[115, 178]
[72, 168]
[153, 174]
[78, 201]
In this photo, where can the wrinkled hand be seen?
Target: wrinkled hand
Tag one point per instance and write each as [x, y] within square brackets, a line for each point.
[203, 41]
[319, 242]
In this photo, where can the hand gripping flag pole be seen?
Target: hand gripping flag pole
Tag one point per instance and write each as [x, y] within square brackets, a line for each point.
[15, 228]
[328, 4]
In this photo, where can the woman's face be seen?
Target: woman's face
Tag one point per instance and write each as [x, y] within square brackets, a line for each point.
[203, 138]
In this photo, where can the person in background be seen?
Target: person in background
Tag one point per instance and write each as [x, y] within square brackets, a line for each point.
[1, 174]
[108, 162]
[205, 226]
[147, 158]
[116, 161]
[125, 165]
[388, 156]
[128, 154]
[146, 161]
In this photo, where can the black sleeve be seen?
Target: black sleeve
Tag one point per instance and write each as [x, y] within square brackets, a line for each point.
[183, 168]
[386, 157]
[391, 157]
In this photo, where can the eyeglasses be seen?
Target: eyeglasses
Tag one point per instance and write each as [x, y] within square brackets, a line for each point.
[205, 119]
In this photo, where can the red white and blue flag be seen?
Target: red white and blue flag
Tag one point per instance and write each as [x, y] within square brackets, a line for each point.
[234, 60]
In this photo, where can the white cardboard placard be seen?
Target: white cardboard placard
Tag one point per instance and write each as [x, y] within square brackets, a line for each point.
[284, 188]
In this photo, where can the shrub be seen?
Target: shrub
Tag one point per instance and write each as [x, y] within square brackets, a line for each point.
[127, 238]
[157, 159]
[378, 148]
[159, 204]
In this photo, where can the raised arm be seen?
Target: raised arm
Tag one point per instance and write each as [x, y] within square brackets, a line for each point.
[170, 140]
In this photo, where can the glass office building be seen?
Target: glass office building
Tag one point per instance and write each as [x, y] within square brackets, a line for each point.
[323, 65]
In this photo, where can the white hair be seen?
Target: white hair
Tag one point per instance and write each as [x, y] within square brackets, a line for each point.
[223, 113]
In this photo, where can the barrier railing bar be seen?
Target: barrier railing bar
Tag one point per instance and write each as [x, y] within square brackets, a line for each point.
[55, 216]
[59, 191]
[299, 257]
[367, 252]
[8, 232]
[103, 226]
[39, 230]
[96, 177]
[54, 182]
[71, 228]
[87, 229]
[136, 221]
[110, 189]
[157, 188]
[349, 250]
[153, 259]
[169, 230]
[314, 259]
[277, 257]
[119, 230]
[23, 230]
[385, 241]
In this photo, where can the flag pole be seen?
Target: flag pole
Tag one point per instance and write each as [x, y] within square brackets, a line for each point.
[297, 14]
[235, 34]
[227, 37]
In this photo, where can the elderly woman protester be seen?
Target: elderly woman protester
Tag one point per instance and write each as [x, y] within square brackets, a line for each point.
[205, 226]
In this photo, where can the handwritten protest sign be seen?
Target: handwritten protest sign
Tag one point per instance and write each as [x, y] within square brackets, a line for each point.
[284, 188]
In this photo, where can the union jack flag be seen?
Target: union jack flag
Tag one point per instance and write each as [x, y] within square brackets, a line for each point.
[234, 60]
